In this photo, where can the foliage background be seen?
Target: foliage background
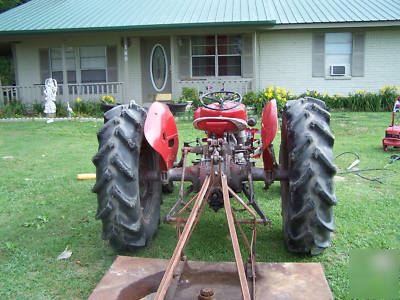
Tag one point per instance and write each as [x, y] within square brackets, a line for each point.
[6, 73]
[7, 4]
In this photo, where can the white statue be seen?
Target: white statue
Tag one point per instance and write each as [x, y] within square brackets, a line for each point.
[50, 92]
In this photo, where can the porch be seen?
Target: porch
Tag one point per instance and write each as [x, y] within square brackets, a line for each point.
[85, 91]
[95, 91]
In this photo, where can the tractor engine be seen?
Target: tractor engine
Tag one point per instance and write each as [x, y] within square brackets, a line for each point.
[234, 151]
[229, 143]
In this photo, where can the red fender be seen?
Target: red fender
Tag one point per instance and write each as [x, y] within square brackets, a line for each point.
[269, 127]
[161, 133]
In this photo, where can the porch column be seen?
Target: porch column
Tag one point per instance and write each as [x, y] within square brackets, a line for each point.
[65, 74]
[126, 74]
[173, 68]
[256, 69]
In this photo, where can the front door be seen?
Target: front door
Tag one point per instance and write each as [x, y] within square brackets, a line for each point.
[156, 75]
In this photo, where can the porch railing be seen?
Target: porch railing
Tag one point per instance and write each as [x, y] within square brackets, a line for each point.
[85, 91]
[242, 85]
[33, 93]
[94, 91]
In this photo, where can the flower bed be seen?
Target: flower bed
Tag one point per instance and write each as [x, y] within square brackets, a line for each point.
[362, 100]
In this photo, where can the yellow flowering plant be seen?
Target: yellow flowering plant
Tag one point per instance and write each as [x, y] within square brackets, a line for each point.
[359, 100]
[107, 100]
[281, 95]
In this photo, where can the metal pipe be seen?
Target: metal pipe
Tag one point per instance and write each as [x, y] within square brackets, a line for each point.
[176, 174]
[259, 174]
[280, 174]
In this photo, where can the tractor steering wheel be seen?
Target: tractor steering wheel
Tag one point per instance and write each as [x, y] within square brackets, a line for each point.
[220, 98]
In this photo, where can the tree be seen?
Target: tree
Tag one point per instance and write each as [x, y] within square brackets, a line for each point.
[7, 4]
[6, 72]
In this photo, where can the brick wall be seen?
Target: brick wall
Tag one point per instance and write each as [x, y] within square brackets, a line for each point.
[285, 60]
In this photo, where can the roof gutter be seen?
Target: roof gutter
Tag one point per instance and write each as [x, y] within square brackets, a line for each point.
[337, 25]
[142, 27]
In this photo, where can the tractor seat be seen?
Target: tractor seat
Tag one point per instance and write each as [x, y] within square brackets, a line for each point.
[219, 125]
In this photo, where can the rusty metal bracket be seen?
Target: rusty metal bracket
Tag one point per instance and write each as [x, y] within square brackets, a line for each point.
[165, 281]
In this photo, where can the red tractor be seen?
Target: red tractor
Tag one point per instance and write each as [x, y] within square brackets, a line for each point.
[392, 134]
[136, 161]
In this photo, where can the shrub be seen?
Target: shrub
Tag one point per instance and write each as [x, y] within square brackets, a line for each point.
[61, 110]
[362, 100]
[250, 98]
[190, 94]
[281, 95]
[13, 109]
[37, 109]
[87, 108]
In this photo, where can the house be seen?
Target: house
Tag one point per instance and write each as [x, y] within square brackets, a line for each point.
[134, 49]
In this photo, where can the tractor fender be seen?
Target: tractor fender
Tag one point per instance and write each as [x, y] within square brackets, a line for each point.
[269, 127]
[161, 133]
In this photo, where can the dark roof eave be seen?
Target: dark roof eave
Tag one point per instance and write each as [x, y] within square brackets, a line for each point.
[141, 27]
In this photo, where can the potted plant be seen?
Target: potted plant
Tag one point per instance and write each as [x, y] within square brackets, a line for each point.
[189, 97]
[177, 106]
[107, 103]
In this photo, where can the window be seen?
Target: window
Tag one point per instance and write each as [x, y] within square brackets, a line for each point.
[216, 55]
[56, 64]
[93, 64]
[158, 67]
[338, 51]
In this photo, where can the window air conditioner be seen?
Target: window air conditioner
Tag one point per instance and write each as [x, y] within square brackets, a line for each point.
[338, 70]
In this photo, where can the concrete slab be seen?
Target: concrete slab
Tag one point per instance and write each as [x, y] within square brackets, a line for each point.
[137, 278]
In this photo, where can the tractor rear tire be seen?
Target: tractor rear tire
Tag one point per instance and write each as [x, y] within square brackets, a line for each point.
[128, 204]
[308, 196]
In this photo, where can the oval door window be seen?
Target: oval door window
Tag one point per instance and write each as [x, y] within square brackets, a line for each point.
[158, 67]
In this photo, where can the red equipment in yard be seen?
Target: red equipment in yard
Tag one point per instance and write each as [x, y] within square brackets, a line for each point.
[135, 161]
[392, 133]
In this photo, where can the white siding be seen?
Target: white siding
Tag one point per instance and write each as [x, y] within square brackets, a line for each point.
[134, 83]
[285, 61]
[28, 69]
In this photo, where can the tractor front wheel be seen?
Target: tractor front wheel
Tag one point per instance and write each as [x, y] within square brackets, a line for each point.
[128, 204]
[308, 196]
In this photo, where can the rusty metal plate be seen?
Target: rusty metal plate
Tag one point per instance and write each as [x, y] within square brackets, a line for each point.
[135, 278]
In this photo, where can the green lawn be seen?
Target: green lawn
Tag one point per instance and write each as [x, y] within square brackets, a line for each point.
[43, 209]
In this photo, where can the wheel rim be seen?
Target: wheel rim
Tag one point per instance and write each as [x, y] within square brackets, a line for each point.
[146, 164]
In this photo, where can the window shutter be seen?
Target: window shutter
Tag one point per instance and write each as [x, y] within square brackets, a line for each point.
[318, 55]
[357, 64]
[184, 57]
[247, 56]
[112, 64]
[44, 64]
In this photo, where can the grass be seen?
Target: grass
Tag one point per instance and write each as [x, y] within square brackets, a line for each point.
[43, 209]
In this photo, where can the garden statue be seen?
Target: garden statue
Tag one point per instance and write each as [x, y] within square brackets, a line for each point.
[50, 92]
